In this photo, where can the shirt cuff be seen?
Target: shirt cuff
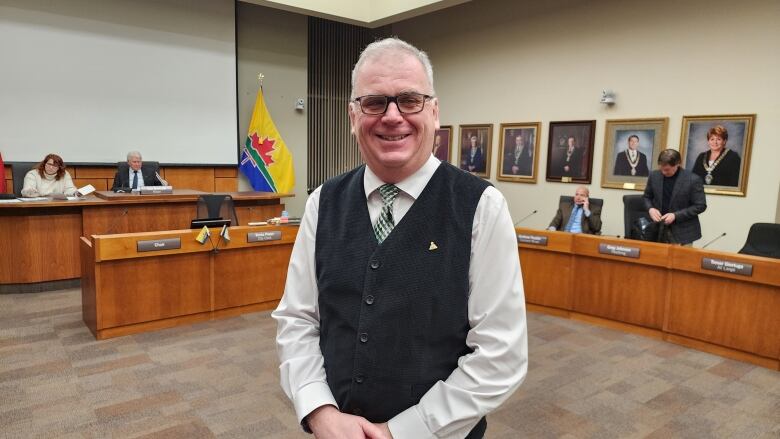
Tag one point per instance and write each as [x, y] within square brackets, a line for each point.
[586, 213]
[311, 396]
[409, 424]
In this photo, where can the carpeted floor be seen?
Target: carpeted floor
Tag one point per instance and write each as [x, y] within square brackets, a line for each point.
[220, 379]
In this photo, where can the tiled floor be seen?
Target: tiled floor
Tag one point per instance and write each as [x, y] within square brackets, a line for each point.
[220, 379]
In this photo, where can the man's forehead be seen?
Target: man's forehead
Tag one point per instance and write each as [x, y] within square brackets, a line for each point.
[401, 70]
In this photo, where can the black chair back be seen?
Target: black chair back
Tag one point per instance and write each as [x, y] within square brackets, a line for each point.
[217, 206]
[763, 240]
[19, 170]
[633, 210]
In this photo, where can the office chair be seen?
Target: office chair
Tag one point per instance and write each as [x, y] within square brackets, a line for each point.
[19, 170]
[633, 210]
[217, 206]
[763, 240]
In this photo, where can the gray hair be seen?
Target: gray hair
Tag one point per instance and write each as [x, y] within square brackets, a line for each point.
[132, 154]
[392, 44]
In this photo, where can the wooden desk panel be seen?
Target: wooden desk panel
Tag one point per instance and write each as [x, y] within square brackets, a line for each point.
[650, 253]
[619, 290]
[765, 270]
[254, 275]
[556, 241]
[546, 277]
[135, 218]
[39, 245]
[142, 290]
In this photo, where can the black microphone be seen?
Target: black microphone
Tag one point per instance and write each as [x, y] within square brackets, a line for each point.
[115, 223]
[719, 236]
[525, 218]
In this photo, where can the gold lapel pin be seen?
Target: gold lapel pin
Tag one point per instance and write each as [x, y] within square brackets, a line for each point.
[433, 246]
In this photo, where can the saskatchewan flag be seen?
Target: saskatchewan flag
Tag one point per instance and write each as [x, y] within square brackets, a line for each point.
[265, 159]
[204, 234]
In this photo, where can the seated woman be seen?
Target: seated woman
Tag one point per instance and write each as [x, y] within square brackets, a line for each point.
[49, 177]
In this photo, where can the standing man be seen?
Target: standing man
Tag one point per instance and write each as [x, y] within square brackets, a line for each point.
[675, 197]
[135, 175]
[631, 161]
[403, 315]
[577, 215]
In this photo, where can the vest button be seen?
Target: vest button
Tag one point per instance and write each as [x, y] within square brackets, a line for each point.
[363, 337]
[369, 299]
[359, 379]
[375, 264]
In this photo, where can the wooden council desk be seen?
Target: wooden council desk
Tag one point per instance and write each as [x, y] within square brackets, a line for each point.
[41, 238]
[137, 282]
[684, 295]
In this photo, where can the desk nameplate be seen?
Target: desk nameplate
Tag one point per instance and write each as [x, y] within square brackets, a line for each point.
[725, 266]
[153, 245]
[264, 236]
[619, 250]
[532, 239]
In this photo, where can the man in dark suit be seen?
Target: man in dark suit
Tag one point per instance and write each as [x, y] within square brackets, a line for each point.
[631, 161]
[571, 161]
[135, 175]
[577, 215]
[520, 159]
[675, 197]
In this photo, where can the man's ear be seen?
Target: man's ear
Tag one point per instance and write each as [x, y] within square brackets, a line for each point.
[435, 103]
[352, 117]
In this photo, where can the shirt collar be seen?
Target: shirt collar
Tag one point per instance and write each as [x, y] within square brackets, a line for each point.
[412, 185]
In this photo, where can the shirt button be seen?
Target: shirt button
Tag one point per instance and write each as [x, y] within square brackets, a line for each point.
[359, 379]
[363, 337]
[369, 299]
[375, 264]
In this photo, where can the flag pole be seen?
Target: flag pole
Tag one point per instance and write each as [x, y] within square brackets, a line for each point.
[260, 77]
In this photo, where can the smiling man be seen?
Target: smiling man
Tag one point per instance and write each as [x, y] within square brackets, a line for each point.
[403, 315]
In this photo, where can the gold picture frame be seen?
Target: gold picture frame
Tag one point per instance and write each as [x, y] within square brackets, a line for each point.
[727, 174]
[475, 145]
[622, 169]
[518, 158]
[442, 143]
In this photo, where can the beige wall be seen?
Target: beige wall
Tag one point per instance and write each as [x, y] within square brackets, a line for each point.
[505, 61]
[274, 43]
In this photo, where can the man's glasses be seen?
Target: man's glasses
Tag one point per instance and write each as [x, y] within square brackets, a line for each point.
[407, 103]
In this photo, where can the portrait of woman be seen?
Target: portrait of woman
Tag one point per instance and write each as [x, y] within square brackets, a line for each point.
[47, 178]
[718, 166]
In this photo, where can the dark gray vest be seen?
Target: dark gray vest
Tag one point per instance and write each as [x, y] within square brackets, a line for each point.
[394, 317]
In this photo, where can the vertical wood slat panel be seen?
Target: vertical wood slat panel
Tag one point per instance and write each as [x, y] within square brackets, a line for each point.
[333, 50]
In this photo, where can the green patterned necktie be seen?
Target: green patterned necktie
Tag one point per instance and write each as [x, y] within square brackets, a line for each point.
[385, 223]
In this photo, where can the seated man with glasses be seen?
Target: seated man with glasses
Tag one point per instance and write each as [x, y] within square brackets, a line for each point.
[47, 178]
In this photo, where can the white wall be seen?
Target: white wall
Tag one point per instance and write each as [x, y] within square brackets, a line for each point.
[92, 79]
[274, 43]
[501, 61]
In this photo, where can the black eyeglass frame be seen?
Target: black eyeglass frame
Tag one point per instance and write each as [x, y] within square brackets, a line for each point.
[389, 99]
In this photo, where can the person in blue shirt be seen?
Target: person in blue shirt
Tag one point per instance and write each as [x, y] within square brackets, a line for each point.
[577, 215]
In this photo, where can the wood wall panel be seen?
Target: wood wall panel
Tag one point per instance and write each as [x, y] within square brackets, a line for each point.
[546, 277]
[225, 172]
[225, 184]
[147, 289]
[40, 247]
[100, 184]
[104, 172]
[201, 179]
[250, 276]
[736, 314]
[620, 291]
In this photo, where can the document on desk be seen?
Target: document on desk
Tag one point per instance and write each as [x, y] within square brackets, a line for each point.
[33, 199]
[11, 200]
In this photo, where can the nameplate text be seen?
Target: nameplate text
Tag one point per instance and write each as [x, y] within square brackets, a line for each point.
[263, 236]
[727, 266]
[618, 250]
[532, 239]
[154, 245]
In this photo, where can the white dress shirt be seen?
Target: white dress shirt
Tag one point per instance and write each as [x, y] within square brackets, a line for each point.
[483, 379]
[140, 178]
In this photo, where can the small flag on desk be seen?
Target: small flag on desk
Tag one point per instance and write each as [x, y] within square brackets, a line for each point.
[224, 233]
[203, 235]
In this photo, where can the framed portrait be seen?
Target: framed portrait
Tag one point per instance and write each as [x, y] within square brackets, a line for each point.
[518, 152]
[631, 147]
[717, 149]
[570, 151]
[475, 142]
[442, 143]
